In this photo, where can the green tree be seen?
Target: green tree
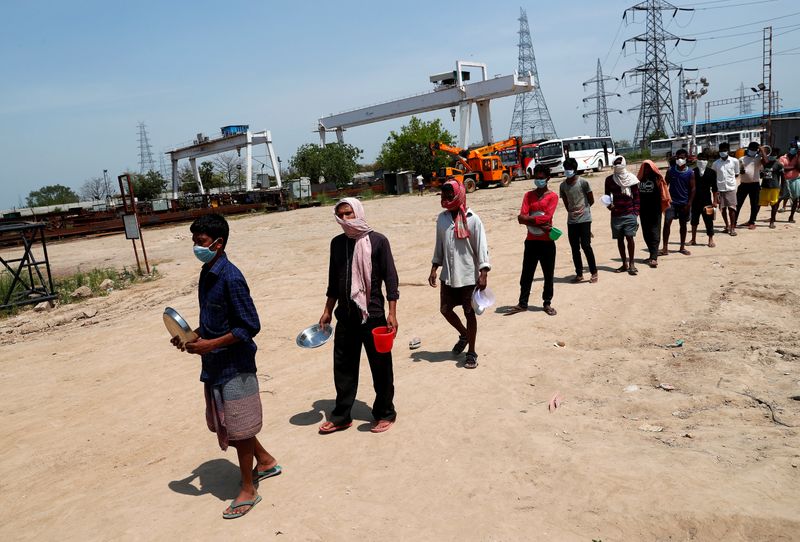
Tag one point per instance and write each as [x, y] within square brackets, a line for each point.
[337, 162]
[52, 194]
[187, 180]
[149, 186]
[409, 149]
[209, 177]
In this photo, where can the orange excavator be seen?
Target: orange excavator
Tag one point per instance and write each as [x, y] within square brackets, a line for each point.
[477, 167]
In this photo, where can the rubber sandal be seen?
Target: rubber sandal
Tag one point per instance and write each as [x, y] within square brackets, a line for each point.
[663, 252]
[259, 475]
[549, 310]
[633, 271]
[460, 345]
[234, 504]
[685, 252]
[621, 269]
[732, 233]
[652, 263]
[328, 427]
[381, 426]
[471, 362]
[414, 343]
[577, 279]
[593, 278]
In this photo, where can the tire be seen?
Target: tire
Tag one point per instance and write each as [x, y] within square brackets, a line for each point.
[505, 180]
[469, 185]
[599, 166]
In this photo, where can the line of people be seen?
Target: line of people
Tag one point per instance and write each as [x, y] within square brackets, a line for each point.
[361, 265]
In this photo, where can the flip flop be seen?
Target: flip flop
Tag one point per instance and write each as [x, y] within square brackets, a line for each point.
[234, 504]
[328, 427]
[381, 426]
[516, 309]
[460, 345]
[259, 475]
[414, 343]
[663, 252]
[593, 279]
[621, 269]
[732, 233]
[633, 271]
[652, 263]
[550, 311]
[471, 360]
[685, 252]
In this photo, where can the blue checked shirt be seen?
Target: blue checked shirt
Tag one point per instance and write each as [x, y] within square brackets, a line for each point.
[226, 306]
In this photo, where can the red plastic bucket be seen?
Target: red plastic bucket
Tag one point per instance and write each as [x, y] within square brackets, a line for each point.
[384, 339]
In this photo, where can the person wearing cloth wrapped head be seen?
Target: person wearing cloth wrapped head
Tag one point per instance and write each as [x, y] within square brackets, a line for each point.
[360, 260]
[791, 172]
[623, 188]
[461, 250]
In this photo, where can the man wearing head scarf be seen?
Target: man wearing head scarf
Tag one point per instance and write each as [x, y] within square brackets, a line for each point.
[653, 192]
[623, 189]
[462, 252]
[791, 172]
[360, 260]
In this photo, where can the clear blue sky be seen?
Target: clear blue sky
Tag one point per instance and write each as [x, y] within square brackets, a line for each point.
[76, 77]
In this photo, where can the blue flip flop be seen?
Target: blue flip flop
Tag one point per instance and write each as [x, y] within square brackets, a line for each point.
[235, 504]
[269, 473]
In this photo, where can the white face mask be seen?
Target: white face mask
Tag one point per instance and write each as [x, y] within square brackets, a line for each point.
[723, 155]
[701, 164]
[619, 168]
[681, 162]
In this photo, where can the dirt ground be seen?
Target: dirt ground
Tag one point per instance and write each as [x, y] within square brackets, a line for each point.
[105, 437]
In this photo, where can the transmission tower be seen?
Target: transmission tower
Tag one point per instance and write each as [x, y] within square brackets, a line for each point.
[682, 113]
[655, 110]
[744, 106]
[601, 109]
[146, 162]
[531, 119]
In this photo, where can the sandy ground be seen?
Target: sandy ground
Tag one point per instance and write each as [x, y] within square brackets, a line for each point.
[104, 436]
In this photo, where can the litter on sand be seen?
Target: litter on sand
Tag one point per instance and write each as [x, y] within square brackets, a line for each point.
[651, 428]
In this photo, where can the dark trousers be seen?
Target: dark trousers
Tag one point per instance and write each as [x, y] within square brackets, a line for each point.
[580, 237]
[349, 336]
[651, 230]
[708, 220]
[745, 191]
[536, 252]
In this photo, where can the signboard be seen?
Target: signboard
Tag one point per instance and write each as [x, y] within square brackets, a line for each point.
[131, 226]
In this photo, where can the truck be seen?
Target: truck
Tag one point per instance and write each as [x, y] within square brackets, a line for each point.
[480, 167]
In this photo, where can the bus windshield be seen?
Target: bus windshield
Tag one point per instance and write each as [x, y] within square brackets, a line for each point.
[550, 150]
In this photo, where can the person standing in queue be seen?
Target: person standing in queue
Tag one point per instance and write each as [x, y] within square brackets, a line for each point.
[623, 188]
[360, 260]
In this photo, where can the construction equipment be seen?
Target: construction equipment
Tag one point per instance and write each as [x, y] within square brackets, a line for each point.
[478, 167]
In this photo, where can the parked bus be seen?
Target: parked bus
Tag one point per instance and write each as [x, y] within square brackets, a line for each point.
[737, 140]
[591, 152]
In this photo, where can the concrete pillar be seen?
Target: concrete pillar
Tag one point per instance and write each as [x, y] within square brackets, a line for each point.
[176, 181]
[193, 164]
[276, 167]
[339, 135]
[321, 136]
[485, 118]
[465, 117]
[248, 158]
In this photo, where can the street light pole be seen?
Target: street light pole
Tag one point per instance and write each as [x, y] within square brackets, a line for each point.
[694, 94]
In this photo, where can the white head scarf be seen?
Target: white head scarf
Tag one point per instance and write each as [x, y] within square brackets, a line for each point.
[624, 178]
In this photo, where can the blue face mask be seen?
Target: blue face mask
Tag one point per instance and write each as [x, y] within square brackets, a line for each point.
[792, 151]
[540, 183]
[751, 154]
[204, 254]
[568, 173]
[723, 155]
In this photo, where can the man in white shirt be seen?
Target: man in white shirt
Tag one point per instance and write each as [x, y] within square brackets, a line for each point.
[750, 182]
[727, 169]
[462, 252]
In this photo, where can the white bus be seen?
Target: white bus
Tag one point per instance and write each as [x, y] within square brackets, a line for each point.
[590, 152]
[706, 142]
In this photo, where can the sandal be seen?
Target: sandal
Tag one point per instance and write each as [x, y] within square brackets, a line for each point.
[732, 233]
[259, 475]
[593, 279]
[621, 269]
[381, 425]
[549, 310]
[234, 505]
[471, 361]
[685, 252]
[633, 271]
[663, 252]
[577, 279]
[652, 263]
[330, 427]
[460, 345]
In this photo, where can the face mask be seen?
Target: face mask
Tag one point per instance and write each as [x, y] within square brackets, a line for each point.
[619, 168]
[792, 151]
[569, 173]
[540, 183]
[751, 154]
[723, 155]
[204, 254]
[701, 164]
[681, 162]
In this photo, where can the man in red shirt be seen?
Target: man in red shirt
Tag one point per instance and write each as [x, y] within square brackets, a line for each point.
[538, 207]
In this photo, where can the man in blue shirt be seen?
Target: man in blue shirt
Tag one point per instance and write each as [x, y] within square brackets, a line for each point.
[680, 179]
[228, 323]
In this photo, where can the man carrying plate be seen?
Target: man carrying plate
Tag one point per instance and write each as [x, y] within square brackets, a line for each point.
[360, 260]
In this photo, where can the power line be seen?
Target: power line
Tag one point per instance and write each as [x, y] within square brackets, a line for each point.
[751, 23]
[738, 46]
[738, 5]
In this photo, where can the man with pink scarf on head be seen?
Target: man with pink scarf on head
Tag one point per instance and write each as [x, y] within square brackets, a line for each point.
[462, 252]
[360, 260]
